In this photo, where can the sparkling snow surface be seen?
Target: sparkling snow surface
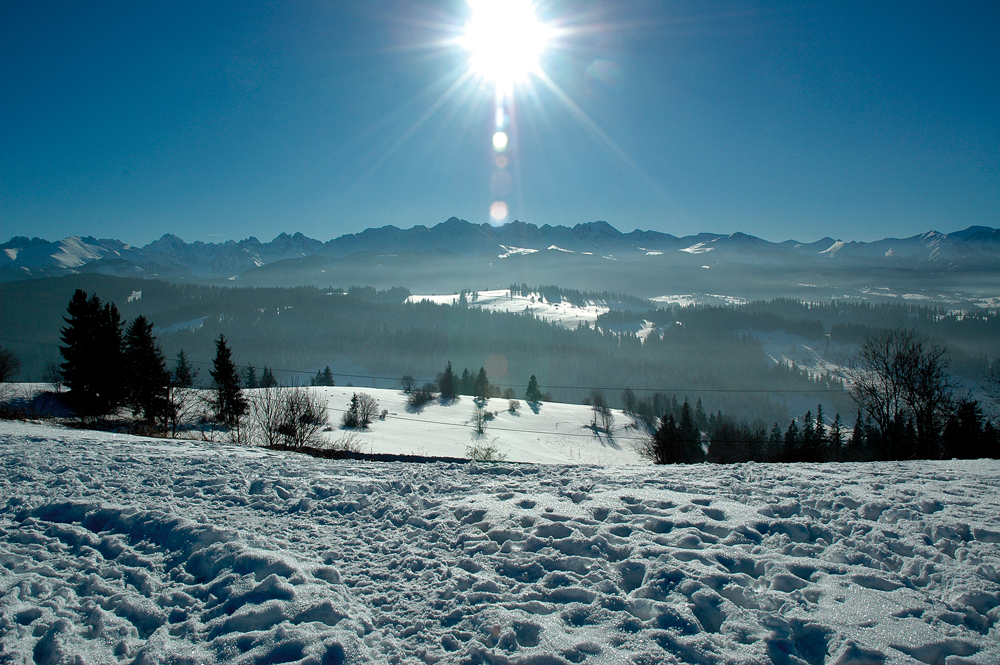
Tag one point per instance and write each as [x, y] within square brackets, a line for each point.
[116, 549]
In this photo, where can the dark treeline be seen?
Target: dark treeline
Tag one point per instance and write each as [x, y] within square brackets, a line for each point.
[305, 329]
[555, 294]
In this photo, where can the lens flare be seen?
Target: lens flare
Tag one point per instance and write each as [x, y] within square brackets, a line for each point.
[499, 141]
[498, 211]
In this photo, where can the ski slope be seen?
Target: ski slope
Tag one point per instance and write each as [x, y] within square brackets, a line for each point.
[119, 549]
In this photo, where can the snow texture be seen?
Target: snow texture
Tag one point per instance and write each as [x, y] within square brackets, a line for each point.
[117, 549]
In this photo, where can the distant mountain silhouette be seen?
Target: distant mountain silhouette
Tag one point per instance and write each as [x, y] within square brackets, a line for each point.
[170, 257]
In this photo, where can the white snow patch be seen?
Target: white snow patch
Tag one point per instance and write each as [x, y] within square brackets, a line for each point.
[121, 549]
[654, 252]
[834, 248]
[560, 249]
[512, 251]
[700, 299]
[565, 314]
[135, 295]
[698, 248]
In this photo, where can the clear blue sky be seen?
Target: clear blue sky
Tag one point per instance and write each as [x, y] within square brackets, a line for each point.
[217, 120]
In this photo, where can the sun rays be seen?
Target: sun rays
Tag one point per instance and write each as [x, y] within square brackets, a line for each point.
[500, 49]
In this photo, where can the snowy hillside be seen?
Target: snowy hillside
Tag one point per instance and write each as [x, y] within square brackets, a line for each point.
[117, 549]
[557, 434]
[565, 314]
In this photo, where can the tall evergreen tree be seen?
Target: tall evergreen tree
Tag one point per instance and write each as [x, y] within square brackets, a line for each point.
[446, 383]
[793, 441]
[91, 351]
[482, 386]
[693, 452]
[532, 394]
[467, 384]
[835, 437]
[668, 443]
[774, 444]
[147, 381]
[184, 374]
[250, 377]
[229, 403]
[267, 379]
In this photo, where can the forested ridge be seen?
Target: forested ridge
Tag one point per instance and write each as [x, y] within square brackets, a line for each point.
[706, 352]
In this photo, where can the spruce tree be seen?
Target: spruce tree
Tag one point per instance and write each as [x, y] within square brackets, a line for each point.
[446, 384]
[250, 377]
[792, 443]
[532, 394]
[668, 444]
[267, 379]
[229, 403]
[690, 435]
[835, 437]
[184, 373]
[147, 381]
[482, 386]
[91, 351]
[466, 384]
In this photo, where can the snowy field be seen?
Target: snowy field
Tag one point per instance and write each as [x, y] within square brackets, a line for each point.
[556, 434]
[565, 314]
[118, 549]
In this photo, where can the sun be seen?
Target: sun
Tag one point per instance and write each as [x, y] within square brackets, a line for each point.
[505, 41]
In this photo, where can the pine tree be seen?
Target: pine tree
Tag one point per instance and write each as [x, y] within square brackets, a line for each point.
[184, 373]
[774, 444]
[267, 379]
[147, 381]
[229, 403]
[466, 384]
[328, 377]
[700, 419]
[482, 386]
[250, 377]
[693, 452]
[836, 438]
[91, 351]
[668, 444]
[532, 394]
[446, 383]
[792, 443]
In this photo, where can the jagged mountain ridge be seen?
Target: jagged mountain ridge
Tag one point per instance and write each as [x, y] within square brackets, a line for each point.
[977, 247]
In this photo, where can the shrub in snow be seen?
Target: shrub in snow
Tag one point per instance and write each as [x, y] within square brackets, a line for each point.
[361, 411]
[421, 396]
[486, 451]
[513, 406]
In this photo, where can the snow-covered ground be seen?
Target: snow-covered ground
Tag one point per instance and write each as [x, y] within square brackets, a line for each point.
[691, 299]
[565, 314]
[557, 434]
[118, 549]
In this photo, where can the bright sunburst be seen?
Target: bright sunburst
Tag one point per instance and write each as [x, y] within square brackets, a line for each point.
[505, 40]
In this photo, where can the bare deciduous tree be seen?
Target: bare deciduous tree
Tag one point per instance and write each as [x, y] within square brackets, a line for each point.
[303, 417]
[899, 375]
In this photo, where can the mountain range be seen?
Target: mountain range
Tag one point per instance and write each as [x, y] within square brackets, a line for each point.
[976, 248]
